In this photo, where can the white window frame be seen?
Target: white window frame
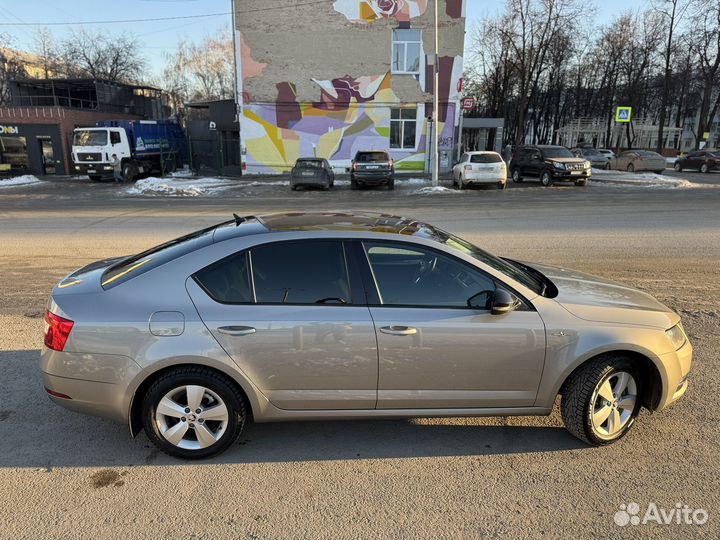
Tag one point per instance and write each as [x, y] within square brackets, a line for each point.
[402, 128]
[404, 44]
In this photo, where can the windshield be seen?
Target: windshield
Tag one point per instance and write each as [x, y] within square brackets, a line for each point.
[532, 282]
[90, 138]
[557, 152]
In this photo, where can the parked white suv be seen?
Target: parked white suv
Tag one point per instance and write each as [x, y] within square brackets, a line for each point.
[475, 168]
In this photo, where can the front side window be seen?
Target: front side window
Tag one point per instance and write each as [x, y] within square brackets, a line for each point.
[403, 127]
[406, 46]
[415, 276]
[308, 272]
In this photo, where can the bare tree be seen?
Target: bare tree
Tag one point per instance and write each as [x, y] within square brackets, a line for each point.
[706, 45]
[45, 48]
[115, 58]
[10, 68]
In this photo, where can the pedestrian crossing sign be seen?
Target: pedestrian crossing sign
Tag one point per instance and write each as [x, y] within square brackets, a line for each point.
[623, 114]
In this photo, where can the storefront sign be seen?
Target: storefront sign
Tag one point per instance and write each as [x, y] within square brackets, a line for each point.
[9, 130]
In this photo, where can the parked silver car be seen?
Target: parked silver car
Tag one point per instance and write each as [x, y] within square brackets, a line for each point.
[311, 316]
[638, 160]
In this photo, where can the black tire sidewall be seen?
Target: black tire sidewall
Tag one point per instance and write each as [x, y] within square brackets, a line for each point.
[543, 175]
[614, 367]
[219, 385]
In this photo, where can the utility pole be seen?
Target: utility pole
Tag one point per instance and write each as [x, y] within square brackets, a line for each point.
[237, 82]
[436, 103]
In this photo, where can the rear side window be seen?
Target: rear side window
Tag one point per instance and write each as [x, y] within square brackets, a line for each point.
[228, 280]
[308, 272]
[485, 158]
[368, 157]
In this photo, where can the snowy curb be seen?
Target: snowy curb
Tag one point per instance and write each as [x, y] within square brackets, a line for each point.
[23, 180]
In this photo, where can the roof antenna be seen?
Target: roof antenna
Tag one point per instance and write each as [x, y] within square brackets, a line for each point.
[239, 219]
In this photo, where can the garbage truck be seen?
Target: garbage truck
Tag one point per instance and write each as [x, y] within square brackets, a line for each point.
[144, 147]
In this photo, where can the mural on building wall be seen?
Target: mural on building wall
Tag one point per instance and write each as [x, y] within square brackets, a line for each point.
[372, 10]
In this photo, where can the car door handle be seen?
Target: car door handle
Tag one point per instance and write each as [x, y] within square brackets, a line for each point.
[398, 330]
[236, 330]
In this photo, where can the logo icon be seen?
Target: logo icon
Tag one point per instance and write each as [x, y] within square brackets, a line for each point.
[628, 514]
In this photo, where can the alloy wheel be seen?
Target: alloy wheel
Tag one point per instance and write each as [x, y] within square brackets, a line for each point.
[191, 417]
[613, 404]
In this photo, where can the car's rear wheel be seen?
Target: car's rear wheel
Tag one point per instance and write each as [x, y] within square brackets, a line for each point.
[129, 172]
[607, 166]
[704, 168]
[391, 184]
[601, 400]
[354, 184]
[546, 178]
[516, 176]
[631, 168]
[677, 167]
[501, 185]
[193, 413]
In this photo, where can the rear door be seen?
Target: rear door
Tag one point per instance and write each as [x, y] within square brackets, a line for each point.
[292, 316]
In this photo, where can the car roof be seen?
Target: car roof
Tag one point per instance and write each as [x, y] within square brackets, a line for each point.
[372, 222]
[475, 152]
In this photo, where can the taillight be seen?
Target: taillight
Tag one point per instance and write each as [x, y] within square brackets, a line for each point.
[468, 167]
[354, 166]
[57, 331]
[391, 164]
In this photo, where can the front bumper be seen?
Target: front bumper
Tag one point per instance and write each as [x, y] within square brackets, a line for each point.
[94, 168]
[677, 366]
[558, 174]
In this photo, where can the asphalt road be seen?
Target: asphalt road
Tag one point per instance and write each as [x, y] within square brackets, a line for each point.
[66, 475]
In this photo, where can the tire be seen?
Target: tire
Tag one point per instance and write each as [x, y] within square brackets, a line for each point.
[293, 188]
[546, 178]
[391, 184]
[501, 185]
[607, 166]
[659, 171]
[354, 184]
[212, 387]
[517, 176]
[95, 178]
[581, 183]
[677, 167]
[128, 172]
[631, 168]
[704, 168]
[582, 394]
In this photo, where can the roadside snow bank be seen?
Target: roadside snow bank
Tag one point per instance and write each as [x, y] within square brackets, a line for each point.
[435, 189]
[23, 180]
[641, 179]
[178, 188]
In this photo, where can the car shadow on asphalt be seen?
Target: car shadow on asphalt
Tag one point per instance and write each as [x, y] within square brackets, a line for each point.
[36, 433]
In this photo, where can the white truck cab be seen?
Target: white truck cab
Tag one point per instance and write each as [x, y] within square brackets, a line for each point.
[92, 150]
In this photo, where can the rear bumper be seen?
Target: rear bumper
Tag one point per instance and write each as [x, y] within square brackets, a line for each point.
[308, 181]
[375, 178]
[94, 384]
[472, 179]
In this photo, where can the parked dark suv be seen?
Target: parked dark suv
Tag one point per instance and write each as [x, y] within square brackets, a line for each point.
[372, 168]
[699, 160]
[549, 164]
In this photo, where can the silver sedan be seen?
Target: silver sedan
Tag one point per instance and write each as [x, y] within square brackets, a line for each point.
[321, 316]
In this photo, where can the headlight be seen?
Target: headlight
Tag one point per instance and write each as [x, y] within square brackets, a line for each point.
[587, 164]
[677, 336]
[558, 165]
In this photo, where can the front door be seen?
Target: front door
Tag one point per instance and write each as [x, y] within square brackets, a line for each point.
[47, 155]
[436, 351]
[291, 315]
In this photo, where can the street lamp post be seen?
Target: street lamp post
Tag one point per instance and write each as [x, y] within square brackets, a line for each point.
[436, 84]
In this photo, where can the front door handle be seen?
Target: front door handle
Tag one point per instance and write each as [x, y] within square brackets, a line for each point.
[236, 330]
[398, 330]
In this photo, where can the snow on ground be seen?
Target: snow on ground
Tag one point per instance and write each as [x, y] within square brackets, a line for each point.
[23, 180]
[427, 190]
[640, 179]
[175, 187]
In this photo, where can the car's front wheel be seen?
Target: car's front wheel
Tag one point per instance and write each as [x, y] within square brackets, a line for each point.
[546, 178]
[517, 176]
[601, 400]
[704, 168]
[193, 413]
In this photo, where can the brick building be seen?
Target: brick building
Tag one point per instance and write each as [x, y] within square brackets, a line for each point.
[36, 129]
[333, 78]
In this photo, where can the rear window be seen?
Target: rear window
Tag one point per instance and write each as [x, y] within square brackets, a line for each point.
[648, 153]
[485, 158]
[228, 280]
[369, 157]
[309, 163]
[136, 265]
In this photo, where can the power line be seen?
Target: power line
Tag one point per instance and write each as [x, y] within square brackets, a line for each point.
[125, 21]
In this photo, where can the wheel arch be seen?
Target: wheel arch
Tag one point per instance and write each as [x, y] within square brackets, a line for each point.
[653, 380]
[147, 378]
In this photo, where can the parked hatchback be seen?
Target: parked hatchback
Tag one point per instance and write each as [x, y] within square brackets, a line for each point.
[312, 172]
[703, 161]
[372, 168]
[480, 168]
[324, 316]
[549, 163]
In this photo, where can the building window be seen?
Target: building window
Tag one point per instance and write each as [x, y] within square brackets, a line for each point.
[406, 50]
[403, 127]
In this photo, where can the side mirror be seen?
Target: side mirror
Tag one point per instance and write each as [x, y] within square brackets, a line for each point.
[502, 302]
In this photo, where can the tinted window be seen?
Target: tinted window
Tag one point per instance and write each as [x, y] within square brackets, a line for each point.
[367, 157]
[485, 158]
[228, 280]
[308, 272]
[414, 276]
[114, 137]
[557, 152]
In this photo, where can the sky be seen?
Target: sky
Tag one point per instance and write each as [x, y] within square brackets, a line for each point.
[160, 37]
